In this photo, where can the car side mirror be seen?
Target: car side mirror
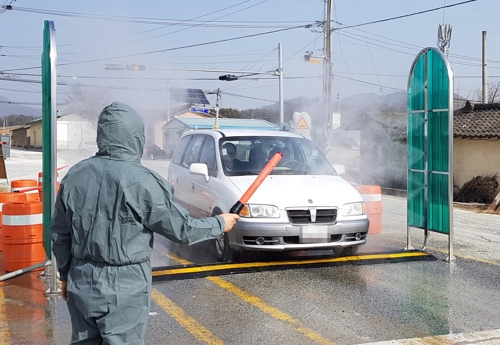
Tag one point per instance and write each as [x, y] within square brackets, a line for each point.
[339, 168]
[199, 169]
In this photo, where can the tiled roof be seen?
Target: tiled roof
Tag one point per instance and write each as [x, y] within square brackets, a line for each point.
[208, 123]
[479, 121]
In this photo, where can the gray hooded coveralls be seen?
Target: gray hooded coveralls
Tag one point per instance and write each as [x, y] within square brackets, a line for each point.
[106, 211]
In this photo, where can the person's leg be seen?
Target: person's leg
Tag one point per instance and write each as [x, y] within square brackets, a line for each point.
[84, 330]
[128, 315]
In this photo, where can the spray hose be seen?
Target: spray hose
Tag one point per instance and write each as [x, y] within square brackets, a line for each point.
[258, 181]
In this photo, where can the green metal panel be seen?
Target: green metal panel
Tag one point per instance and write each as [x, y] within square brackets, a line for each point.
[416, 199]
[438, 141]
[416, 89]
[47, 136]
[430, 138]
[438, 205]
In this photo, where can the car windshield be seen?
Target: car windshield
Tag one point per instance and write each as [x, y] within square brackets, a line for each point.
[248, 155]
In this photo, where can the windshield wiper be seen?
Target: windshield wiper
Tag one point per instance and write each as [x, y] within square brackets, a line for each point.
[243, 173]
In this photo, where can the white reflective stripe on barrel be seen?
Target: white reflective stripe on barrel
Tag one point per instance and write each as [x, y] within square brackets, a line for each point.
[372, 197]
[25, 219]
[1, 205]
[20, 189]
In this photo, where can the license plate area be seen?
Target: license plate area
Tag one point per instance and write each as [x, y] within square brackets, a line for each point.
[313, 234]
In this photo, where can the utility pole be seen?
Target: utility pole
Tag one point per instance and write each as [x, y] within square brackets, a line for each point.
[327, 67]
[217, 109]
[168, 100]
[280, 70]
[485, 71]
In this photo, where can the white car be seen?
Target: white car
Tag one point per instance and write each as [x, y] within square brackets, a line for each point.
[303, 204]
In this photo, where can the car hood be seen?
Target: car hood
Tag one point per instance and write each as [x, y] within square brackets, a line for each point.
[295, 191]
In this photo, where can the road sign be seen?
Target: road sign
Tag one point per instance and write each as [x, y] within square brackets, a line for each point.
[199, 110]
[302, 124]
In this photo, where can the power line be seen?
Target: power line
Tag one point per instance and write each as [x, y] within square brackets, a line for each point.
[159, 21]
[406, 15]
[172, 49]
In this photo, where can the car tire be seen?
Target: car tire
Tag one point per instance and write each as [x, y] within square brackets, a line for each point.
[223, 251]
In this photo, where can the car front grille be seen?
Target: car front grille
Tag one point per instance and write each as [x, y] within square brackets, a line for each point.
[306, 216]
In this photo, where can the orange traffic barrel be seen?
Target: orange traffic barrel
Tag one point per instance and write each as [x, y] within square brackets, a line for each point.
[40, 184]
[372, 196]
[22, 234]
[8, 197]
[28, 187]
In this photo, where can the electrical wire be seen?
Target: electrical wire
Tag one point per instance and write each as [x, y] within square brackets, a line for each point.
[171, 49]
[162, 27]
[369, 51]
[160, 21]
[406, 15]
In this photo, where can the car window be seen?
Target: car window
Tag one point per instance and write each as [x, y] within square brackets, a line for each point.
[179, 152]
[207, 156]
[193, 151]
[300, 156]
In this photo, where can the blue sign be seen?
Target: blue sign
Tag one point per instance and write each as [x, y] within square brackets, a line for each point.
[200, 110]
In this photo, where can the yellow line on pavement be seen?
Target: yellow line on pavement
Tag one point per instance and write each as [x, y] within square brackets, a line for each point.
[4, 325]
[484, 261]
[259, 303]
[190, 324]
[198, 269]
[274, 312]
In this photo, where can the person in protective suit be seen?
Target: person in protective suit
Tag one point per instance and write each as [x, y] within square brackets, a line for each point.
[106, 212]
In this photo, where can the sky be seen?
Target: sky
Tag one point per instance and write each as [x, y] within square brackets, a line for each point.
[168, 37]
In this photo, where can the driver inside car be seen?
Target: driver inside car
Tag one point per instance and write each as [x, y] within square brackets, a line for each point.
[284, 151]
[229, 157]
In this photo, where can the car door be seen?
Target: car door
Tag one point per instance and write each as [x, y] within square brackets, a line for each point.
[186, 181]
[177, 173]
[203, 194]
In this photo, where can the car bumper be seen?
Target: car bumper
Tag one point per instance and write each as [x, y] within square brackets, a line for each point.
[283, 237]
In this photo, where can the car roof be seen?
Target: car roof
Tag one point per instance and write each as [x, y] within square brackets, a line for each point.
[244, 132]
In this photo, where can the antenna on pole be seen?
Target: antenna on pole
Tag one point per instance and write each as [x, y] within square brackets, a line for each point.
[444, 38]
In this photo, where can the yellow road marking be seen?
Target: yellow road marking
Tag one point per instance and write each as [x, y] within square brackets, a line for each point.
[190, 324]
[484, 261]
[199, 269]
[259, 303]
[274, 312]
[4, 325]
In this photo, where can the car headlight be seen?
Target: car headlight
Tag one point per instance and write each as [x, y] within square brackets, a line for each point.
[354, 209]
[260, 211]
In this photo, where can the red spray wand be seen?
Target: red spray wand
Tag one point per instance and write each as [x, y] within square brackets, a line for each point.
[258, 181]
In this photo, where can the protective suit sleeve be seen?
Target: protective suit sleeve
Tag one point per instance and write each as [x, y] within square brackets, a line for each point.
[169, 219]
[60, 230]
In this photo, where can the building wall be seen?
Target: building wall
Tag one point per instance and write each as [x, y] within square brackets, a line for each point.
[171, 134]
[71, 133]
[35, 134]
[473, 157]
[19, 138]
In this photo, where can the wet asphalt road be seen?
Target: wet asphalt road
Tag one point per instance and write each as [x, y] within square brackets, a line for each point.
[348, 304]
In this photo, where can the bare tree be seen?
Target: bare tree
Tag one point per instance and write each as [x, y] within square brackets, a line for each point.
[88, 102]
[493, 95]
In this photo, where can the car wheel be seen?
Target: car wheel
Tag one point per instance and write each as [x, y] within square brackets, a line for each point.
[222, 249]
